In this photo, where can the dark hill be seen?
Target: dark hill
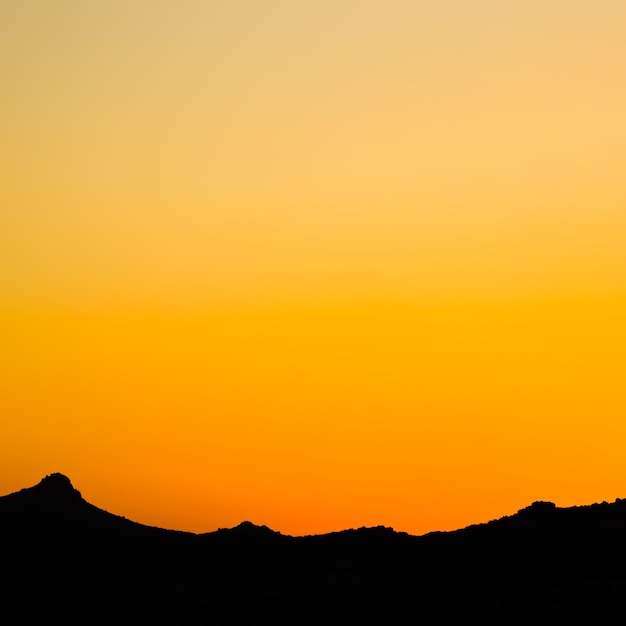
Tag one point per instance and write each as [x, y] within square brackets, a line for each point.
[64, 561]
[55, 506]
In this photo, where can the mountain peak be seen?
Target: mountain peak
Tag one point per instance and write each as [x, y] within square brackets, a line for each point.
[56, 486]
[56, 478]
[248, 529]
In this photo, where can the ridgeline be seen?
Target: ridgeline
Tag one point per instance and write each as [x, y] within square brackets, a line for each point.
[65, 561]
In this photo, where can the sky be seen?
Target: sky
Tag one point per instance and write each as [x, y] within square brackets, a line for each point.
[318, 264]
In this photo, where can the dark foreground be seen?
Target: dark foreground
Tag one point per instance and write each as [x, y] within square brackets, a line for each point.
[64, 561]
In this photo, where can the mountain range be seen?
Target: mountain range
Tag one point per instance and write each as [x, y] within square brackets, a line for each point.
[65, 561]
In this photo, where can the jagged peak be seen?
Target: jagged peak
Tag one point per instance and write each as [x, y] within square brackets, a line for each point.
[56, 478]
[57, 485]
[538, 507]
[247, 528]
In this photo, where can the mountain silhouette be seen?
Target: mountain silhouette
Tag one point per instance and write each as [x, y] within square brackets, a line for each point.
[65, 561]
[55, 488]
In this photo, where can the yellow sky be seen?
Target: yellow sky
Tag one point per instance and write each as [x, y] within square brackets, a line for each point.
[314, 264]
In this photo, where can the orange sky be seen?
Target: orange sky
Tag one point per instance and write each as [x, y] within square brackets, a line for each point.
[317, 265]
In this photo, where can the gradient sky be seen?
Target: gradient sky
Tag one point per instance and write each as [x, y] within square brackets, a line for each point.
[316, 264]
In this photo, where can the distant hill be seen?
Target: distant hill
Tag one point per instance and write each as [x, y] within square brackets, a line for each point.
[64, 561]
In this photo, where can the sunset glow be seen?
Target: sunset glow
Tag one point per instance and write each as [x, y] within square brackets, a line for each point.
[318, 264]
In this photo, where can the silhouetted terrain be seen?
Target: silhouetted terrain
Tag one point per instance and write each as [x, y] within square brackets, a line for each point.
[64, 561]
